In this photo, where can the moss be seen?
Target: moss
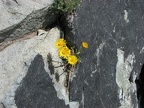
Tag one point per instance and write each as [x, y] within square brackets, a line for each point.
[65, 6]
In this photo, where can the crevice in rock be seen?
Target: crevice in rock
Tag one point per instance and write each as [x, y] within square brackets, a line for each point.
[66, 28]
[50, 66]
[38, 19]
[65, 25]
[2, 105]
[67, 33]
[140, 88]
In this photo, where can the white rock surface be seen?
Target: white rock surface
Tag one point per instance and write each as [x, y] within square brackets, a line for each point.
[127, 90]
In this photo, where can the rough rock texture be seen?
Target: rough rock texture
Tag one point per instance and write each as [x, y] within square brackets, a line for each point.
[16, 58]
[17, 62]
[112, 70]
[36, 89]
[19, 17]
[106, 77]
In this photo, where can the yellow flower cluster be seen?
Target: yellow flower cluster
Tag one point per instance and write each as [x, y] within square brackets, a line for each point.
[65, 52]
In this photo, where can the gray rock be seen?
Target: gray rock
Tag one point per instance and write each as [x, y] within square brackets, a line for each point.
[1, 105]
[106, 77]
[20, 17]
[18, 71]
[16, 58]
[36, 89]
[111, 72]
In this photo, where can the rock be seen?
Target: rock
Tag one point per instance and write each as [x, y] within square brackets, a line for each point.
[111, 72]
[112, 63]
[36, 89]
[26, 78]
[19, 18]
[16, 58]
[1, 105]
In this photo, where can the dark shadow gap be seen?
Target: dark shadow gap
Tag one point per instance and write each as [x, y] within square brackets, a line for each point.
[140, 88]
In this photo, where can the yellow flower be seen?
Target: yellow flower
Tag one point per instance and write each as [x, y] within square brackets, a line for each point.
[85, 44]
[72, 59]
[60, 43]
[64, 52]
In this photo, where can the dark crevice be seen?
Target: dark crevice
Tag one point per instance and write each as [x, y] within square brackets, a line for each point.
[66, 28]
[51, 19]
[57, 77]
[64, 25]
[140, 88]
[50, 65]
[3, 105]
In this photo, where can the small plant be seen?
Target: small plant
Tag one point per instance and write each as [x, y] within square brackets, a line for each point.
[65, 6]
[70, 57]
[69, 54]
